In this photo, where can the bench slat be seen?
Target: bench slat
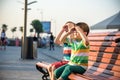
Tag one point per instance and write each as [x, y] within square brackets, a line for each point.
[105, 34]
[106, 44]
[105, 66]
[105, 60]
[105, 49]
[105, 55]
[79, 77]
[103, 38]
[94, 76]
[104, 71]
[100, 76]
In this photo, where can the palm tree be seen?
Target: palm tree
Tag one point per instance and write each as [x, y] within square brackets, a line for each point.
[13, 30]
[21, 29]
[37, 25]
[4, 26]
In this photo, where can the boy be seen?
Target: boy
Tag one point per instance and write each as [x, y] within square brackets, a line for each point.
[79, 56]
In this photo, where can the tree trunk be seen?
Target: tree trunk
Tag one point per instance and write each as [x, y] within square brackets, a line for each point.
[38, 35]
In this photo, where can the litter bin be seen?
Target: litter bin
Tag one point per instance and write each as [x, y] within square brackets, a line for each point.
[29, 52]
[31, 48]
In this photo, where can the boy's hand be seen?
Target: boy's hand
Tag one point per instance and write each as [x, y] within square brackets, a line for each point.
[71, 25]
[72, 30]
[65, 28]
[78, 29]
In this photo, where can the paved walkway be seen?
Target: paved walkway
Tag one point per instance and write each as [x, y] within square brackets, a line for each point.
[12, 67]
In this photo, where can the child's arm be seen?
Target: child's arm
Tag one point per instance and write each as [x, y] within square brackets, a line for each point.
[83, 36]
[64, 37]
[68, 32]
[57, 39]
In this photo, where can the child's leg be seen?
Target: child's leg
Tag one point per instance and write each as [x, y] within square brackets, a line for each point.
[59, 71]
[0, 45]
[4, 43]
[52, 73]
[60, 78]
[53, 46]
[50, 70]
[69, 69]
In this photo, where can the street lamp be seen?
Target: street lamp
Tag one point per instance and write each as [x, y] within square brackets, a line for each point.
[27, 4]
[31, 2]
[24, 46]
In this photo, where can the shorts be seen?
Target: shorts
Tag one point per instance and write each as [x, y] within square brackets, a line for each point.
[60, 63]
[2, 39]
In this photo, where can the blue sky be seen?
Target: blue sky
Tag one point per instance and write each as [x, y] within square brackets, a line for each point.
[56, 11]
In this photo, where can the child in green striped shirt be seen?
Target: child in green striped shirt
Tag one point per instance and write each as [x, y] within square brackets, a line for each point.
[79, 56]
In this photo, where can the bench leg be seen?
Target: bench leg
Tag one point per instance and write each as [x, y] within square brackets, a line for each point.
[44, 72]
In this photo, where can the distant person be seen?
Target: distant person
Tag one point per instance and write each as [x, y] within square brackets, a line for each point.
[35, 41]
[35, 38]
[51, 41]
[17, 41]
[44, 42]
[3, 41]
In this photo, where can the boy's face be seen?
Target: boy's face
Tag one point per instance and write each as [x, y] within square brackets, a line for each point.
[75, 35]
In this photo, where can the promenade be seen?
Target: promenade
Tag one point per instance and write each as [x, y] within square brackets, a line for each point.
[12, 67]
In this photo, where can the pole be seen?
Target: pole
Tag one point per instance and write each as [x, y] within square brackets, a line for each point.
[41, 15]
[24, 49]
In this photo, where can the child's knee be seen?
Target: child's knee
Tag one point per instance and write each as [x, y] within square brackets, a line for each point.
[37, 63]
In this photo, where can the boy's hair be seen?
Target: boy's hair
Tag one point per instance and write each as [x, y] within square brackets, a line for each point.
[70, 22]
[84, 27]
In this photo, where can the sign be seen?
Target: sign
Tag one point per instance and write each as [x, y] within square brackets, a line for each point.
[46, 26]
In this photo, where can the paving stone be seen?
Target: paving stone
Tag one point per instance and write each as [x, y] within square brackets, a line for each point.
[12, 67]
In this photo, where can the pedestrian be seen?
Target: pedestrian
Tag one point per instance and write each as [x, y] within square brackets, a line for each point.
[79, 55]
[35, 38]
[51, 43]
[3, 41]
[17, 41]
[43, 41]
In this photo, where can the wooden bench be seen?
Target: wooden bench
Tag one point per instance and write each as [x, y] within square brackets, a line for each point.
[104, 58]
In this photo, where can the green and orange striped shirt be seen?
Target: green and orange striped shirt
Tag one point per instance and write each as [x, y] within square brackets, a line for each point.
[79, 54]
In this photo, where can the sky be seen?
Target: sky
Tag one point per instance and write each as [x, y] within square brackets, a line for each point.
[56, 11]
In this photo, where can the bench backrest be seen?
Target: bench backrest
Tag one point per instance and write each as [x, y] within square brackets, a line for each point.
[104, 56]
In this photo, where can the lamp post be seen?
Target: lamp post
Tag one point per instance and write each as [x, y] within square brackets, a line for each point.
[24, 44]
